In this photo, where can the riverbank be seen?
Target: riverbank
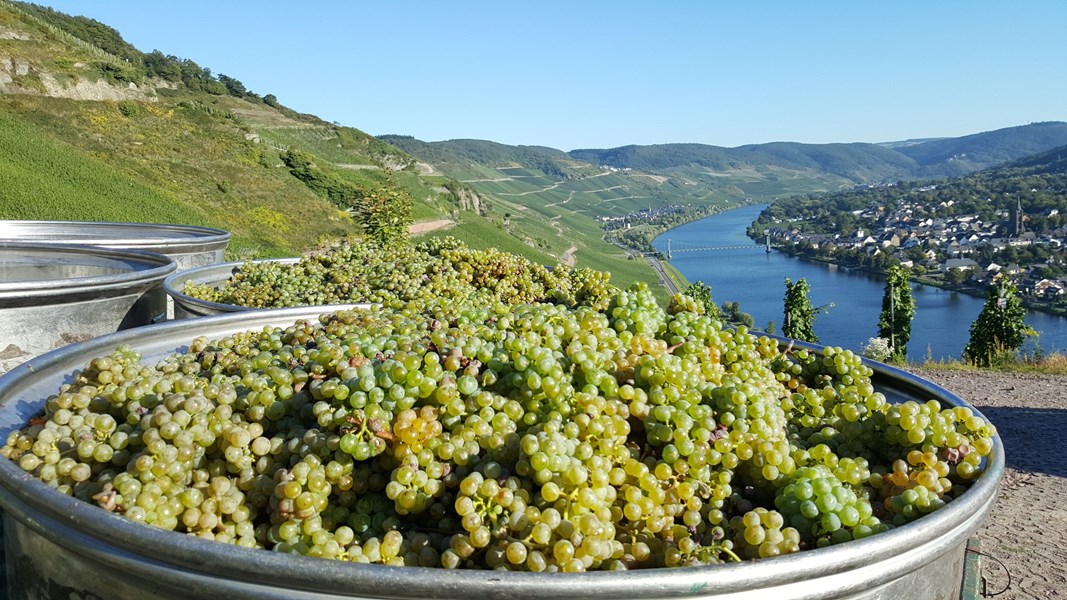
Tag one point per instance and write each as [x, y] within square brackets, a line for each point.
[1029, 302]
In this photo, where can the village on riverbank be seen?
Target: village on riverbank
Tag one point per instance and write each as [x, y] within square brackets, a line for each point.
[956, 234]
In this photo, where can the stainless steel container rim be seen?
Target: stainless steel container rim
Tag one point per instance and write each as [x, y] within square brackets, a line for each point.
[159, 265]
[174, 238]
[19, 489]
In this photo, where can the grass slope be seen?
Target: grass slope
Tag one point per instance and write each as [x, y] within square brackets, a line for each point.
[41, 178]
[157, 162]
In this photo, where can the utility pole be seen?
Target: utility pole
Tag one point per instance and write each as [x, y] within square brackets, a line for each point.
[668, 248]
[892, 320]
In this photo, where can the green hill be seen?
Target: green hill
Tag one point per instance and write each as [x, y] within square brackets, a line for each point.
[1051, 161]
[955, 156]
[93, 129]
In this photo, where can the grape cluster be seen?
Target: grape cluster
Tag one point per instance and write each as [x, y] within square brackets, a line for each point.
[352, 271]
[536, 437]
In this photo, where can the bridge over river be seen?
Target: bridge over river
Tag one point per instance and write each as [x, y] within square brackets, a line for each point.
[691, 247]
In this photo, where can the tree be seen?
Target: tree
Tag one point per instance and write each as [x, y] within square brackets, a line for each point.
[999, 328]
[165, 67]
[898, 309]
[955, 276]
[233, 86]
[732, 313]
[271, 100]
[799, 319]
[385, 214]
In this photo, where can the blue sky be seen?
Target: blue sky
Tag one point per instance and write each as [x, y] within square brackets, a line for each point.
[604, 74]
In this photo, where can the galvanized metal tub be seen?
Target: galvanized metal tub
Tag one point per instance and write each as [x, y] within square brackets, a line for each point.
[53, 295]
[186, 306]
[190, 246]
[59, 547]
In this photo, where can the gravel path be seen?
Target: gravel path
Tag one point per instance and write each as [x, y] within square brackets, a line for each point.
[1027, 529]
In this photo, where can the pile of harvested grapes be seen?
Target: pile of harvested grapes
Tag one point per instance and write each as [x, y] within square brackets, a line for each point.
[353, 271]
[535, 437]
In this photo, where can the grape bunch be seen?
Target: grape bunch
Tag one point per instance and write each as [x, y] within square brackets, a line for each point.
[539, 437]
[351, 271]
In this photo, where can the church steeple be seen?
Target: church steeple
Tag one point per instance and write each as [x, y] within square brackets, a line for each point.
[1016, 227]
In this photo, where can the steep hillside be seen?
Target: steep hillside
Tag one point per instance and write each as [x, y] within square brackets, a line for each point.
[92, 129]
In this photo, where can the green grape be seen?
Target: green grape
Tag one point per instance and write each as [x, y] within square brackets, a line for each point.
[537, 420]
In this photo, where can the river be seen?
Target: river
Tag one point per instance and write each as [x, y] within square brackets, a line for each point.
[756, 279]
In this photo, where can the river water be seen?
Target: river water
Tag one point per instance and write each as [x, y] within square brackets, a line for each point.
[756, 279]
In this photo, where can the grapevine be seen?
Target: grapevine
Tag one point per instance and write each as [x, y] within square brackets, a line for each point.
[352, 271]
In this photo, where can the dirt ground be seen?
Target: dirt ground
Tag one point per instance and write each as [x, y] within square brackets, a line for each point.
[428, 226]
[1027, 530]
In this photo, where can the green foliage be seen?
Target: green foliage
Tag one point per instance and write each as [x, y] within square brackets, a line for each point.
[955, 276]
[856, 162]
[988, 148]
[129, 108]
[324, 183]
[164, 67]
[547, 161]
[233, 87]
[385, 213]
[117, 74]
[898, 310]
[999, 328]
[798, 321]
[64, 159]
[88, 30]
[732, 314]
[384, 210]
[701, 292]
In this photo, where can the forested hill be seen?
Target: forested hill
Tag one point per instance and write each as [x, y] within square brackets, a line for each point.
[858, 162]
[1051, 161]
[983, 150]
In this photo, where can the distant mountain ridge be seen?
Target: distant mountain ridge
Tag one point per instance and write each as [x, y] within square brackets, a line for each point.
[860, 162]
[982, 150]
